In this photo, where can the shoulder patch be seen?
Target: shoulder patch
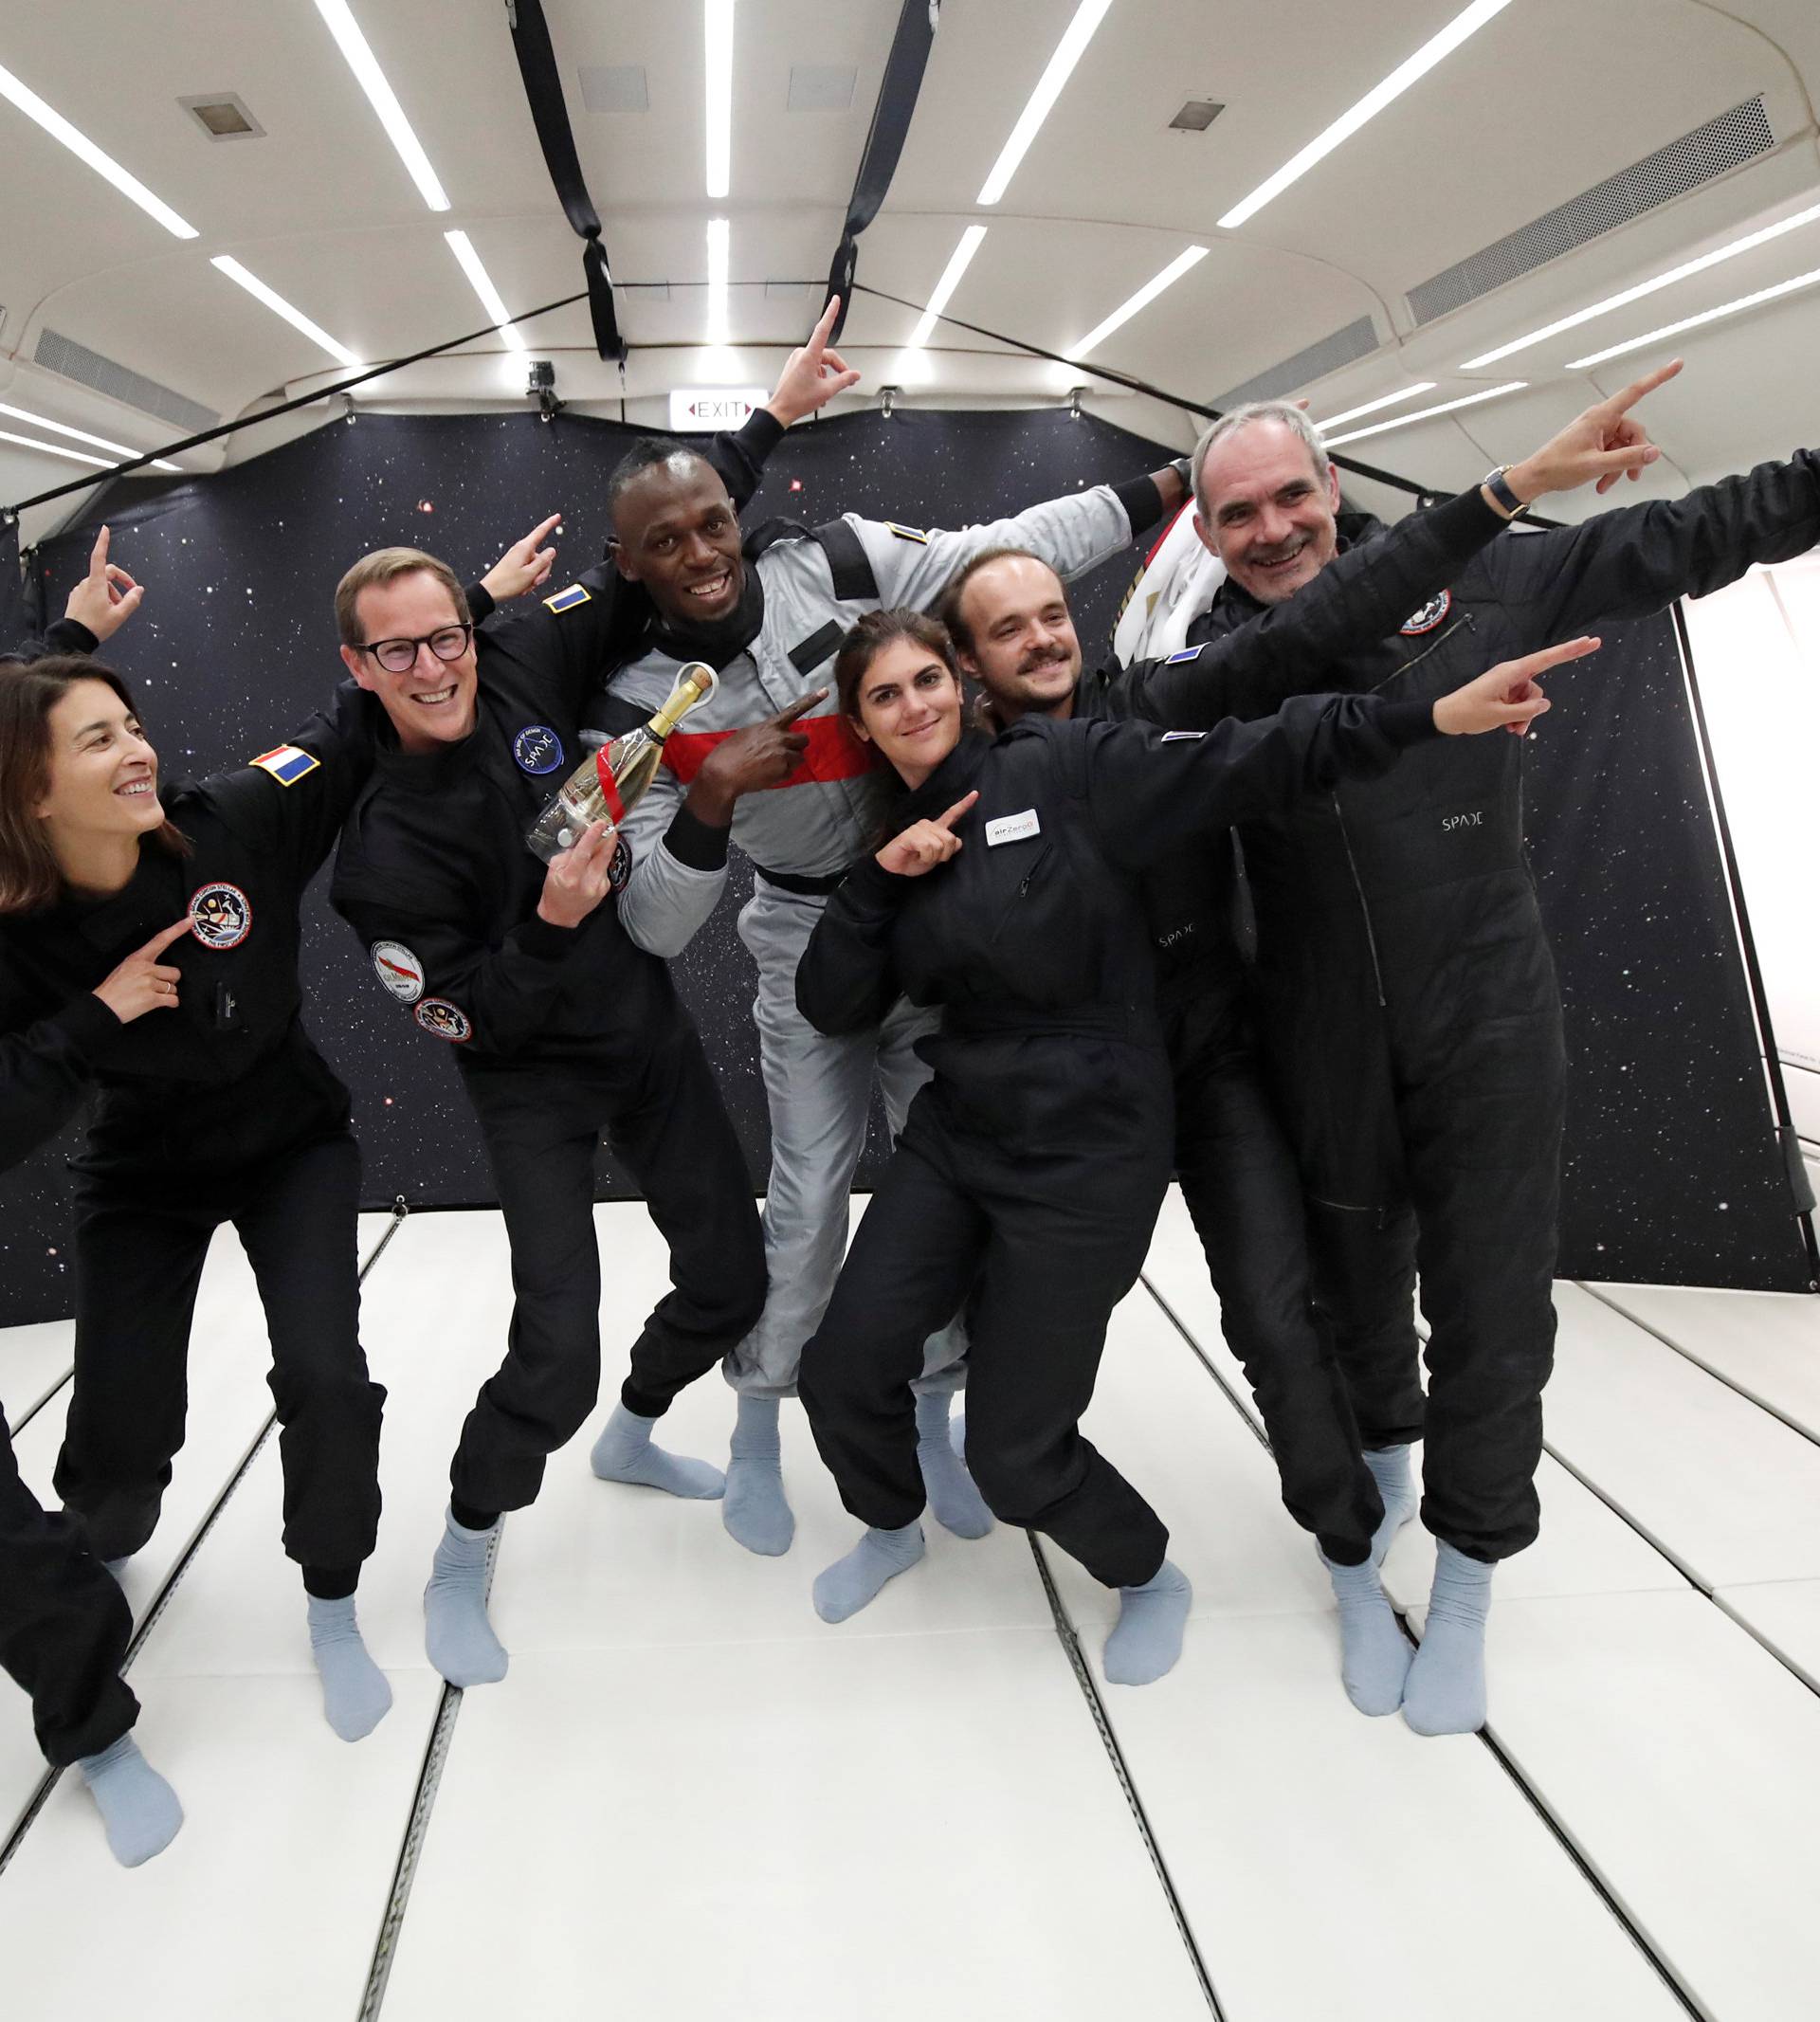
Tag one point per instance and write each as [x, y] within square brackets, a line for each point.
[568, 599]
[908, 533]
[445, 1020]
[1428, 616]
[287, 763]
[619, 872]
[221, 916]
[1188, 652]
[398, 969]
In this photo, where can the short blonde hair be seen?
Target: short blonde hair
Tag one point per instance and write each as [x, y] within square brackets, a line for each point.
[385, 565]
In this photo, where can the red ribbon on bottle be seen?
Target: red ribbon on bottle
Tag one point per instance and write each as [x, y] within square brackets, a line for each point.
[609, 785]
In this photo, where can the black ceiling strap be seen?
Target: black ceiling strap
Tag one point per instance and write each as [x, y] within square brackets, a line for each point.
[550, 114]
[904, 70]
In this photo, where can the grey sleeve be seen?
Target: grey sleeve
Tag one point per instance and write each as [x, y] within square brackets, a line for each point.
[666, 902]
[1072, 535]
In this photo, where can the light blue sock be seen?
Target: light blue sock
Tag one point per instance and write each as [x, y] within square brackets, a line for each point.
[1147, 1638]
[954, 1502]
[140, 1810]
[624, 1453]
[1390, 1469]
[850, 1583]
[754, 1509]
[355, 1695]
[1373, 1651]
[457, 1634]
[1445, 1693]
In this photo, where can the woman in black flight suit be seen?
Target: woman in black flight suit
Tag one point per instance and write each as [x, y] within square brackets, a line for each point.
[1032, 1168]
[148, 947]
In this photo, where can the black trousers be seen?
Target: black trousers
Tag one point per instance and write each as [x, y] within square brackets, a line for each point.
[63, 1625]
[543, 1124]
[140, 1243]
[1047, 1242]
[1479, 1120]
[1238, 1176]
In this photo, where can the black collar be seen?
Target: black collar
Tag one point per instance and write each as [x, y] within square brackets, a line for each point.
[721, 643]
[951, 779]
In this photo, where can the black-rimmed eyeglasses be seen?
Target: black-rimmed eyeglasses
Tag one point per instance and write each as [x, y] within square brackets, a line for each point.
[398, 656]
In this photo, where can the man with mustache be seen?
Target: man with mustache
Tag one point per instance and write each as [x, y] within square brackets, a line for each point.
[767, 614]
[1012, 626]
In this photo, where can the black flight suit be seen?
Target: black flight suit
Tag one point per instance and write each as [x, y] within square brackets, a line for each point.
[1031, 1167]
[1406, 996]
[558, 1032]
[219, 1110]
[1233, 1159]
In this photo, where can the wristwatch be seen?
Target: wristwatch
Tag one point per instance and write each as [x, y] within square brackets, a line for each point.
[1496, 483]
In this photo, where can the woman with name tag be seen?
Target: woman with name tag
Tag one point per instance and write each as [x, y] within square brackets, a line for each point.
[1030, 1169]
[149, 952]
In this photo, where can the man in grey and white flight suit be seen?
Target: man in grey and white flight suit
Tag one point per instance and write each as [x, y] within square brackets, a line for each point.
[768, 613]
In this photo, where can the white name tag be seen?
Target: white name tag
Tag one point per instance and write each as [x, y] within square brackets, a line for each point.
[1012, 828]
[1183, 737]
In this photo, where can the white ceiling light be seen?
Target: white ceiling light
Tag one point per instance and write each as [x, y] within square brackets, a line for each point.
[1069, 52]
[1648, 287]
[1144, 297]
[81, 435]
[384, 101]
[75, 456]
[1374, 103]
[1371, 407]
[1447, 407]
[1693, 322]
[949, 281]
[717, 24]
[482, 282]
[278, 307]
[85, 148]
[718, 252]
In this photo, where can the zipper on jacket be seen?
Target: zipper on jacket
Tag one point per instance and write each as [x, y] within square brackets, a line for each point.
[1352, 862]
[1023, 889]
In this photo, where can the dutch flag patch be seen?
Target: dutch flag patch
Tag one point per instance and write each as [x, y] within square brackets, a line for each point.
[287, 763]
[568, 599]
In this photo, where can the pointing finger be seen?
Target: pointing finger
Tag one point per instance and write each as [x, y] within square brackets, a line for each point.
[1627, 397]
[539, 535]
[98, 553]
[799, 706]
[818, 337]
[1552, 656]
[165, 936]
[959, 807]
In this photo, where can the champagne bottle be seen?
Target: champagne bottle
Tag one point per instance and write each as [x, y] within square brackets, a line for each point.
[614, 780]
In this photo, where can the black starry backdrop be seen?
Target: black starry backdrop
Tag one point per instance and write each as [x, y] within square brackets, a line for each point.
[1669, 1173]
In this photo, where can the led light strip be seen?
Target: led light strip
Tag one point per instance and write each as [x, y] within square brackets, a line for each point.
[81, 435]
[84, 150]
[1374, 103]
[482, 282]
[1371, 407]
[75, 456]
[384, 101]
[1693, 322]
[716, 28]
[278, 307]
[957, 265]
[1620, 300]
[1144, 297]
[1069, 52]
[1447, 407]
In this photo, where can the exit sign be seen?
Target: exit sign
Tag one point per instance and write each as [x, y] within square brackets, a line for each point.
[714, 407]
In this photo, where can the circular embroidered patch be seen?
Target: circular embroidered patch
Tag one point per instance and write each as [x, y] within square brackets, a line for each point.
[220, 916]
[398, 969]
[537, 749]
[1428, 616]
[447, 1020]
[619, 872]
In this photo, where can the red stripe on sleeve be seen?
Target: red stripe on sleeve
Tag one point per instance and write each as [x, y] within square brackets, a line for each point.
[834, 751]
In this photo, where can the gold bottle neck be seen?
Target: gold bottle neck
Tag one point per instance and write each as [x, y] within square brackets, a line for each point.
[681, 699]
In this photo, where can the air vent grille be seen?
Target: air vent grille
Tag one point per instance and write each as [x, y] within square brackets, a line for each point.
[1737, 136]
[1197, 116]
[1355, 341]
[62, 355]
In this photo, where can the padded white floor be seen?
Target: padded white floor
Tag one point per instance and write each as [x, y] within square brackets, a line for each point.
[690, 1799]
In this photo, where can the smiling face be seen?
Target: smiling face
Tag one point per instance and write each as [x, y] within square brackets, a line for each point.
[1271, 512]
[432, 703]
[909, 706]
[104, 775]
[1023, 648]
[675, 532]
